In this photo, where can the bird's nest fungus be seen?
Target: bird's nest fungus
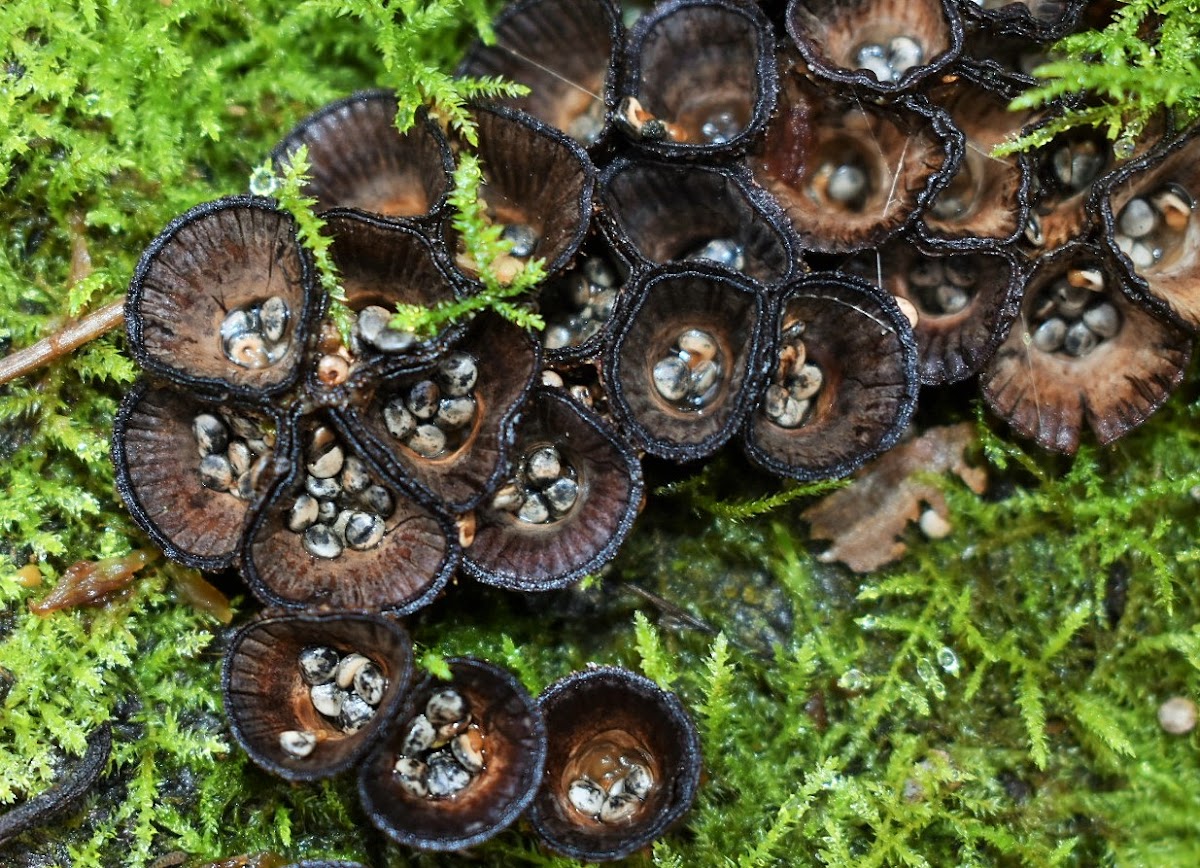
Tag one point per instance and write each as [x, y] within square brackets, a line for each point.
[767, 230]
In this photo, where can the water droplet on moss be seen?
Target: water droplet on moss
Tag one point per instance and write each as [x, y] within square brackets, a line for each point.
[1124, 147]
[948, 660]
[853, 680]
[928, 674]
[263, 182]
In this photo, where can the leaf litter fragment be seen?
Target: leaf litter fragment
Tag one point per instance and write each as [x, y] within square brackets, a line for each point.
[866, 519]
[90, 583]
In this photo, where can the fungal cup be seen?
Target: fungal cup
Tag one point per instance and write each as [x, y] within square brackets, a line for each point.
[573, 491]
[1149, 216]
[1085, 351]
[848, 173]
[986, 200]
[461, 762]
[445, 429]
[886, 46]
[275, 712]
[622, 765]
[344, 537]
[538, 186]
[862, 395]
[195, 309]
[966, 301]
[684, 362]
[192, 472]
[578, 306]
[668, 212]
[357, 158]
[572, 77]
[383, 264]
[703, 74]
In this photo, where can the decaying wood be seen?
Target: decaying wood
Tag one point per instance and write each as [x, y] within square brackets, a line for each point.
[70, 787]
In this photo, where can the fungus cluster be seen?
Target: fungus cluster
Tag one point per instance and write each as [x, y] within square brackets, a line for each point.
[762, 225]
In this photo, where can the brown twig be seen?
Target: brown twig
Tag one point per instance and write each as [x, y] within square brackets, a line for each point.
[671, 610]
[60, 343]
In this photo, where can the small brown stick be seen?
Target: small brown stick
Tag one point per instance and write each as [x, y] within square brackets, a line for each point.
[60, 343]
[670, 609]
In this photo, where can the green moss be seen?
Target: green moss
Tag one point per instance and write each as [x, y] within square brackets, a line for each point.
[482, 245]
[990, 699]
[1140, 70]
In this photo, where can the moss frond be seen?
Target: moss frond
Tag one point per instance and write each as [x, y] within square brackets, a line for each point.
[484, 251]
[1145, 62]
[656, 660]
[288, 193]
[698, 489]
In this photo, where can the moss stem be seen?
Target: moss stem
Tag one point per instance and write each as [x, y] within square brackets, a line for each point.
[63, 341]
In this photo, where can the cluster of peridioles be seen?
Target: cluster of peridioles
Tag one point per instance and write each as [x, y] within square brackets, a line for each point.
[762, 225]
